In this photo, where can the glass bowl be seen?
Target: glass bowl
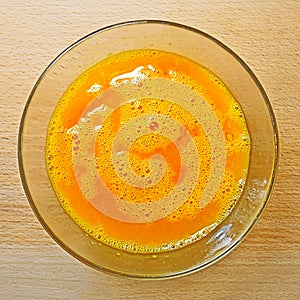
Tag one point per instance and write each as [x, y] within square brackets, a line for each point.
[187, 42]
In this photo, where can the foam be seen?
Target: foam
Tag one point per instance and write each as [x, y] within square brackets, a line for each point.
[148, 114]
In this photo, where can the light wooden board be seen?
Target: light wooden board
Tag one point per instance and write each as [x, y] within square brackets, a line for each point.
[266, 34]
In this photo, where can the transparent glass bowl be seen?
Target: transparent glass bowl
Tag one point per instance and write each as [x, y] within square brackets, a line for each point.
[199, 47]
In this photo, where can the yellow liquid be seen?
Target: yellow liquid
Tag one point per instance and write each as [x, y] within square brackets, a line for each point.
[148, 151]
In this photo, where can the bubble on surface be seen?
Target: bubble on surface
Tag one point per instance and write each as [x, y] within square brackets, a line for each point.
[154, 125]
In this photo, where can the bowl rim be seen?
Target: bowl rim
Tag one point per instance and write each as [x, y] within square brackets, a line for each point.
[196, 267]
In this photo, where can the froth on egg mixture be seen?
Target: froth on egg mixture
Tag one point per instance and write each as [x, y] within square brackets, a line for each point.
[147, 151]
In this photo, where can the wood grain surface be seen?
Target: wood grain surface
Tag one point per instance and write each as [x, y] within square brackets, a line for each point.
[266, 34]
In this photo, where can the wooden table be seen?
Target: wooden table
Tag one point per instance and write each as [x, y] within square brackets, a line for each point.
[266, 35]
